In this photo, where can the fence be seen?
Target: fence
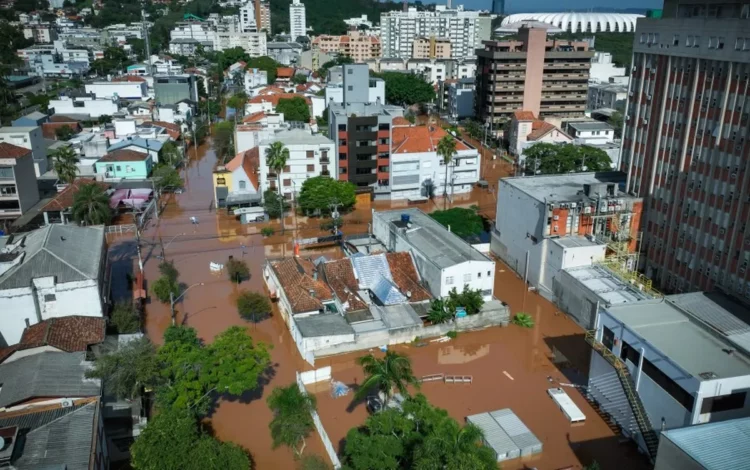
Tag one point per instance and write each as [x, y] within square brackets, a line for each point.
[321, 430]
[119, 229]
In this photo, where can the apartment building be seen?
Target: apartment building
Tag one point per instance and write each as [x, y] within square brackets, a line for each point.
[263, 16]
[18, 188]
[334, 91]
[464, 29]
[603, 68]
[28, 137]
[248, 18]
[360, 47]
[546, 77]
[55, 60]
[40, 33]
[88, 105]
[297, 20]
[686, 148]
[607, 95]
[460, 102]
[431, 48]
[310, 155]
[548, 223]
[255, 44]
[171, 89]
[361, 130]
[134, 90]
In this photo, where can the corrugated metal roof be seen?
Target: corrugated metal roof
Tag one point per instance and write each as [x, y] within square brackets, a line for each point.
[387, 292]
[494, 435]
[68, 252]
[47, 374]
[706, 308]
[716, 446]
[31, 420]
[517, 430]
[369, 269]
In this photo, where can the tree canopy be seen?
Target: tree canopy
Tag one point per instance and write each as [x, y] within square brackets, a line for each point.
[390, 374]
[115, 60]
[91, 205]
[224, 140]
[319, 192]
[419, 436]
[463, 222]
[253, 306]
[167, 178]
[294, 109]
[127, 369]
[64, 162]
[406, 89]
[292, 422]
[546, 159]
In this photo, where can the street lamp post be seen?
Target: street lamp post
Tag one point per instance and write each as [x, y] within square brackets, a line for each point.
[164, 247]
[173, 301]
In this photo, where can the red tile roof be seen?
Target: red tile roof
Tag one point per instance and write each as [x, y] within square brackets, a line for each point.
[249, 160]
[124, 155]
[539, 129]
[62, 118]
[419, 139]
[173, 130]
[49, 128]
[129, 78]
[255, 117]
[524, 115]
[405, 276]
[340, 276]
[270, 90]
[274, 99]
[304, 293]
[64, 200]
[12, 151]
[284, 72]
[68, 334]
[401, 121]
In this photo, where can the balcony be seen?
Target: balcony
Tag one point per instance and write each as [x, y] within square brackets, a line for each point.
[325, 173]
[272, 176]
[325, 160]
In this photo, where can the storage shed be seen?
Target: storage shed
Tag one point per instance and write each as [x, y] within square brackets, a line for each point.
[506, 434]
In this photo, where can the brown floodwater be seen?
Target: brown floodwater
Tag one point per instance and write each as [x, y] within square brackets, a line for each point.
[511, 367]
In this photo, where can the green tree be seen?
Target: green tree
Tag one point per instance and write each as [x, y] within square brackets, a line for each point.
[524, 320]
[170, 154]
[463, 222]
[125, 319]
[167, 178]
[224, 140]
[617, 121]
[172, 440]
[406, 89]
[294, 109]
[322, 72]
[273, 203]
[319, 192]
[237, 270]
[253, 306]
[237, 101]
[544, 158]
[165, 288]
[168, 270]
[446, 150]
[41, 100]
[276, 157]
[439, 312]
[292, 420]
[299, 79]
[473, 128]
[129, 368]
[64, 133]
[470, 299]
[13, 38]
[138, 46]
[392, 372]
[114, 61]
[91, 205]
[231, 364]
[64, 162]
[451, 445]
[313, 462]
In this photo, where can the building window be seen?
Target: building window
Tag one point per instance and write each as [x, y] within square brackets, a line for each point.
[350, 88]
[287, 182]
[342, 171]
[310, 168]
[449, 280]
[324, 154]
[608, 338]
[676, 40]
[50, 297]
[383, 141]
[118, 168]
[243, 185]
[734, 401]
[669, 385]
[467, 278]
[629, 353]
[383, 127]
[342, 127]
[287, 169]
[310, 154]
[342, 156]
[479, 275]
[489, 273]
[342, 142]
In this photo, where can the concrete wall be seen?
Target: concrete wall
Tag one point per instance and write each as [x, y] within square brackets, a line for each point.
[121, 89]
[26, 187]
[94, 108]
[575, 300]
[476, 274]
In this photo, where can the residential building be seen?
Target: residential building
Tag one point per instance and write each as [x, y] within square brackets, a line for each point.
[607, 95]
[18, 187]
[362, 133]
[603, 68]
[357, 75]
[124, 164]
[526, 130]
[685, 358]
[55, 271]
[705, 447]
[356, 22]
[188, 46]
[34, 119]
[591, 132]
[87, 105]
[63, 334]
[41, 33]
[578, 219]
[498, 7]
[443, 259]
[297, 20]
[581, 22]
[511, 29]
[461, 98]
[253, 43]
[313, 59]
[310, 155]
[248, 18]
[431, 48]
[546, 77]
[263, 16]
[284, 75]
[164, 65]
[49, 129]
[139, 144]
[464, 29]
[285, 53]
[236, 183]
[253, 78]
[171, 89]
[256, 127]
[58, 210]
[118, 90]
[31, 138]
[685, 148]
[359, 46]
[186, 36]
[417, 172]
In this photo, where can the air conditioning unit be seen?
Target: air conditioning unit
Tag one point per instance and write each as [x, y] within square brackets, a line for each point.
[645, 121]
[557, 217]
[554, 228]
[587, 210]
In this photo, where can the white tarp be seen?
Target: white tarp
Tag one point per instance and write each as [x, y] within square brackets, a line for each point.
[317, 375]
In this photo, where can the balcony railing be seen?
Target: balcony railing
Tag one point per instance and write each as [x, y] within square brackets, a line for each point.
[324, 160]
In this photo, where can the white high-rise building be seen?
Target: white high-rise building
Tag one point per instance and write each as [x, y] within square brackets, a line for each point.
[464, 29]
[247, 18]
[297, 20]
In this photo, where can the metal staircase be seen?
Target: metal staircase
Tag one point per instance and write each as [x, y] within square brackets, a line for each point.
[628, 386]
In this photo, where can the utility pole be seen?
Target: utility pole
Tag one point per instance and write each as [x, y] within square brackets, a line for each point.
[161, 243]
[138, 242]
[334, 206]
[281, 205]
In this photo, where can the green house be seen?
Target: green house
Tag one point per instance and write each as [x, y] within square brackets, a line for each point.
[124, 164]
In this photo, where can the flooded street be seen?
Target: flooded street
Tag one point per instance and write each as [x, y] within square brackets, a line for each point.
[511, 367]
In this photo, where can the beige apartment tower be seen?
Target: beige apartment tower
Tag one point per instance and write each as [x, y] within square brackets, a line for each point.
[548, 77]
[431, 48]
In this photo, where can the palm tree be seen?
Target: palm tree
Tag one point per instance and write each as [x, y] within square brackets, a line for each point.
[450, 443]
[524, 320]
[276, 158]
[446, 149]
[439, 312]
[64, 162]
[91, 205]
[391, 372]
[292, 417]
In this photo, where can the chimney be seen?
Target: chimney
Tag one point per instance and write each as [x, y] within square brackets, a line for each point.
[28, 324]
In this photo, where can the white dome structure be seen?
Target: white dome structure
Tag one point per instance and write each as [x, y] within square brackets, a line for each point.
[580, 22]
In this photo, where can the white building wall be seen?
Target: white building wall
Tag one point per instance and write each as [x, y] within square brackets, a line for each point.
[376, 93]
[32, 140]
[298, 164]
[119, 89]
[411, 173]
[94, 108]
[476, 274]
[297, 20]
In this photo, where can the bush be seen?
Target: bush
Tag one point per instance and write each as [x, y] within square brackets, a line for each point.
[253, 306]
[163, 286]
[237, 270]
[267, 231]
[524, 320]
[329, 224]
[452, 334]
[168, 270]
[124, 318]
[313, 462]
